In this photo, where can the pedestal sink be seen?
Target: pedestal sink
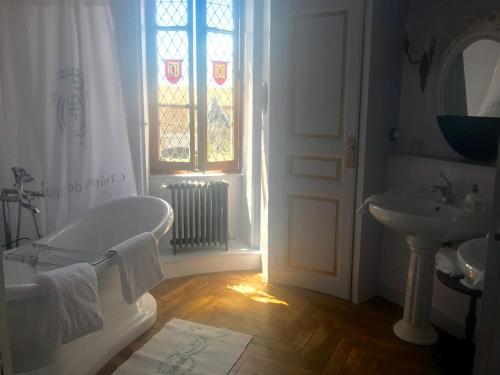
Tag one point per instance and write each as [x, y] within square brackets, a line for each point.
[426, 225]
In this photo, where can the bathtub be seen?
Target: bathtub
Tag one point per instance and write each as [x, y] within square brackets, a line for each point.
[97, 229]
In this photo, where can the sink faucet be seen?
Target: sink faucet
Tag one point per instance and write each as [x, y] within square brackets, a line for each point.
[446, 189]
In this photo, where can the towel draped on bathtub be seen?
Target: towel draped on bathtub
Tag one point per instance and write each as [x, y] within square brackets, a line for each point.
[73, 303]
[139, 265]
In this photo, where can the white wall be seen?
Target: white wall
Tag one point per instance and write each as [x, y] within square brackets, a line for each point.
[264, 144]
[420, 173]
[273, 140]
[252, 120]
[447, 19]
[383, 57]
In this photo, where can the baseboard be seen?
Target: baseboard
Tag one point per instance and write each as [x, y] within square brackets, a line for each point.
[439, 319]
[198, 261]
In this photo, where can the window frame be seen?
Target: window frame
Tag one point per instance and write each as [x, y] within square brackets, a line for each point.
[158, 166]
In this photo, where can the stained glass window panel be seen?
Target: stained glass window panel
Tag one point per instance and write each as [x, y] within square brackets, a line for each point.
[220, 14]
[171, 12]
[173, 96]
[220, 98]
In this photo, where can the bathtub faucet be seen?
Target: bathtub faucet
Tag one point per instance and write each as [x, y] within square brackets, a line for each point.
[24, 199]
[21, 176]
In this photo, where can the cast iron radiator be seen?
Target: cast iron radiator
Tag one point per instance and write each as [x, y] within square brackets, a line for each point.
[201, 214]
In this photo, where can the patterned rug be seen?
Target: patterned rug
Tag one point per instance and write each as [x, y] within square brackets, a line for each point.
[187, 348]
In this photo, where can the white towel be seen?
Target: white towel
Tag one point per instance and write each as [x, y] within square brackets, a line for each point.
[139, 264]
[73, 303]
[446, 262]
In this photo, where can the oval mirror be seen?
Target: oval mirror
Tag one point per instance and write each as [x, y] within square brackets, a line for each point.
[469, 95]
[472, 87]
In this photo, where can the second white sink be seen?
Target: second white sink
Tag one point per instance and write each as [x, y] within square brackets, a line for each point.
[471, 257]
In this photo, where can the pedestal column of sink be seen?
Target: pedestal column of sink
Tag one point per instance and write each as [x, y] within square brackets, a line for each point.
[415, 327]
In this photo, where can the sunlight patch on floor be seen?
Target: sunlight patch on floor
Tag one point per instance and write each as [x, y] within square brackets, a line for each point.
[257, 295]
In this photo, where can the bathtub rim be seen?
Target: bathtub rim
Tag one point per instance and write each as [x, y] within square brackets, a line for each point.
[21, 291]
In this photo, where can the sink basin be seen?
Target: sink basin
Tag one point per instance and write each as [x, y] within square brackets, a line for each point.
[426, 225]
[471, 257]
[412, 216]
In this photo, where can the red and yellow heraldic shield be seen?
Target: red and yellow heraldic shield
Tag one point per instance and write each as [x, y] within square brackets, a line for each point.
[173, 70]
[219, 71]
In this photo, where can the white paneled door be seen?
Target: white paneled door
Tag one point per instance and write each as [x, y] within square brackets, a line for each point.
[314, 78]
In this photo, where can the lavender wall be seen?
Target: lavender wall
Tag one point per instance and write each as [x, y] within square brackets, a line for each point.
[447, 19]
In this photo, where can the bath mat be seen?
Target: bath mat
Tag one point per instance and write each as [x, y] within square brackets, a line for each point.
[187, 348]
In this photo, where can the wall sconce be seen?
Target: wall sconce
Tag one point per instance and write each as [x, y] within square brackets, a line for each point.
[424, 64]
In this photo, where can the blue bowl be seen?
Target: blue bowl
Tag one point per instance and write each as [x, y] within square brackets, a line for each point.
[476, 138]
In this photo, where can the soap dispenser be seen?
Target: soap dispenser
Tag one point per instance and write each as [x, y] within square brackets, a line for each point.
[473, 201]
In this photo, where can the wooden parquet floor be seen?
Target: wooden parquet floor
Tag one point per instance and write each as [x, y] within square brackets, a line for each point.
[294, 331]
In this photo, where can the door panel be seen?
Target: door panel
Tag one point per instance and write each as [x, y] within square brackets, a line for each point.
[314, 80]
[313, 244]
[316, 167]
[318, 108]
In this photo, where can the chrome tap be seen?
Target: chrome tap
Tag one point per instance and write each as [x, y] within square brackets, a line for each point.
[26, 203]
[446, 189]
[21, 176]
[23, 197]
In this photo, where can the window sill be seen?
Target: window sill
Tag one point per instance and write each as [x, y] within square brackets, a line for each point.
[195, 175]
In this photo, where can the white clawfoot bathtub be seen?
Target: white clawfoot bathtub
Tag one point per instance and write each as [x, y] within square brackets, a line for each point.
[97, 229]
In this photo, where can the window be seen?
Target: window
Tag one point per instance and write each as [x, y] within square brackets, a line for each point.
[194, 89]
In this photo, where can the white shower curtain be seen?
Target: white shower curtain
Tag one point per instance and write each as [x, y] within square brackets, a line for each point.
[61, 104]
